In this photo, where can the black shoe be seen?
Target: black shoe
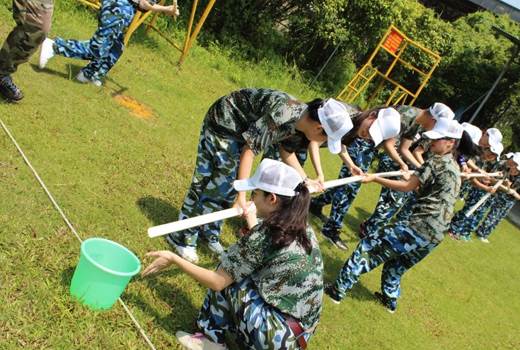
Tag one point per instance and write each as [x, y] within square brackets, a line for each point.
[333, 238]
[333, 294]
[9, 90]
[389, 303]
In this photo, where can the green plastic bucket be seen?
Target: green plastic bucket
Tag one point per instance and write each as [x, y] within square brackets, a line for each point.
[103, 271]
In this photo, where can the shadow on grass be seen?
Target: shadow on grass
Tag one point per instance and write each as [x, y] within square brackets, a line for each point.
[183, 313]
[157, 210]
[66, 276]
[73, 70]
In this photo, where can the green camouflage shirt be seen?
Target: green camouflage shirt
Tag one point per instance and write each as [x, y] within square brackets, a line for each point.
[258, 117]
[439, 187]
[409, 128]
[288, 279]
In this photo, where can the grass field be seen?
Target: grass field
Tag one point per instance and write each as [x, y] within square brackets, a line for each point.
[115, 174]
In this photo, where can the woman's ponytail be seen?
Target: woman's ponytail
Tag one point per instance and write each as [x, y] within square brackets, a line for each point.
[289, 222]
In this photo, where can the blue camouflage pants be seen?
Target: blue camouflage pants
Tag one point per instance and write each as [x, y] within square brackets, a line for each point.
[389, 200]
[501, 205]
[240, 310]
[410, 199]
[461, 225]
[464, 190]
[362, 152]
[106, 45]
[211, 186]
[398, 247]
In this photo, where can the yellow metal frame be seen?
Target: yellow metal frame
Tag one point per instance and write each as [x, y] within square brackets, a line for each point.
[369, 73]
[140, 17]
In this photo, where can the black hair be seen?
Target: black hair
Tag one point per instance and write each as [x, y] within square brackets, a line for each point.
[312, 108]
[289, 222]
[357, 120]
[466, 147]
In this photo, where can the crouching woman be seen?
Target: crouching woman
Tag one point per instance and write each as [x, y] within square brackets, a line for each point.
[268, 289]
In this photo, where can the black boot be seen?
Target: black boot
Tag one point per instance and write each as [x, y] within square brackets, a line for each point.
[9, 90]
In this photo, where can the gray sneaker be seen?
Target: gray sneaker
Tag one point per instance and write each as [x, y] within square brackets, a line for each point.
[216, 247]
[84, 80]
[185, 252]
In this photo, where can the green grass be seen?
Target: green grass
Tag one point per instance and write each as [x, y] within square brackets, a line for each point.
[115, 175]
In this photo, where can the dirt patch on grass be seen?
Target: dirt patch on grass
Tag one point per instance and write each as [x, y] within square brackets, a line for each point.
[135, 107]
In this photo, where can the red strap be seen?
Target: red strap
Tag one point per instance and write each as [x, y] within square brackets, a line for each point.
[298, 331]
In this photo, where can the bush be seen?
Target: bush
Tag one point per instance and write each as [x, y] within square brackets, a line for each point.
[307, 32]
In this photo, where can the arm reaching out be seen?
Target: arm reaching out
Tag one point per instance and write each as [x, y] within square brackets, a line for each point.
[215, 280]
[404, 148]
[397, 185]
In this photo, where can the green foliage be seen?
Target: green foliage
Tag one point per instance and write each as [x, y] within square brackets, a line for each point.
[307, 32]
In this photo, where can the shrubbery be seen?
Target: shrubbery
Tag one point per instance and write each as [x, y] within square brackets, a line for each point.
[306, 32]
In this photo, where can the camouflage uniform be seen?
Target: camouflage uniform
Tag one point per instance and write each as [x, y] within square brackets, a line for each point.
[461, 225]
[297, 144]
[402, 245]
[106, 45]
[464, 190]
[501, 205]
[33, 22]
[269, 284]
[253, 117]
[391, 201]
[362, 152]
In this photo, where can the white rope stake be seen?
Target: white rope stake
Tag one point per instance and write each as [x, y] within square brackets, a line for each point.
[72, 229]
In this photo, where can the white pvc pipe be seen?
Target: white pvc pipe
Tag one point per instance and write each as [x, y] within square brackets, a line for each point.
[483, 199]
[180, 225]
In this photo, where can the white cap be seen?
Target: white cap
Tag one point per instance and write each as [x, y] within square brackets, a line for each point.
[473, 131]
[271, 176]
[496, 148]
[445, 128]
[495, 141]
[386, 126]
[515, 157]
[440, 110]
[336, 122]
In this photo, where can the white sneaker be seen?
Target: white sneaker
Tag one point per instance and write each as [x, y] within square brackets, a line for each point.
[83, 79]
[197, 341]
[46, 52]
[216, 247]
[188, 253]
[483, 240]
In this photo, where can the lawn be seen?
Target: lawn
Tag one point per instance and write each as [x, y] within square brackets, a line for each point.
[115, 173]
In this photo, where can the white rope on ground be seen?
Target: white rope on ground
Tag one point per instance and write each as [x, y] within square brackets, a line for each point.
[72, 229]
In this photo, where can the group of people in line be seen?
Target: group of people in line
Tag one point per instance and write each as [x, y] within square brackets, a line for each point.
[267, 291]
[268, 287]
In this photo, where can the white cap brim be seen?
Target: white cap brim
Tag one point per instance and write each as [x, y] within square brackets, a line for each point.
[433, 135]
[334, 146]
[248, 185]
[497, 149]
[376, 133]
[244, 185]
